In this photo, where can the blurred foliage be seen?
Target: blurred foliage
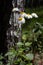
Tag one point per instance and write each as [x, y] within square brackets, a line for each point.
[1, 58]
[20, 55]
[23, 52]
[32, 42]
[34, 34]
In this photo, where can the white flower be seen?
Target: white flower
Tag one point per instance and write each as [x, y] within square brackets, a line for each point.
[23, 14]
[29, 16]
[21, 20]
[34, 15]
[15, 9]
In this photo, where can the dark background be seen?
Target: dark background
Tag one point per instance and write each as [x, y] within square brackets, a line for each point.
[5, 11]
[33, 3]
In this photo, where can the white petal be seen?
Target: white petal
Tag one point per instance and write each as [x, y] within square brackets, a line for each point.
[34, 15]
[23, 15]
[26, 15]
[15, 9]
[22, 21]
[29, 17]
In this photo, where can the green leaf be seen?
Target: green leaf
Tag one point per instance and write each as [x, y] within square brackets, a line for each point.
[9, 53]
[29, 56]
[24, 37]
[1, 63]
[20, 50]
[22, 63]
[28, 43]
[17, 60]
[1, 57]
[8, 63]
[29, 64]
[19, 44]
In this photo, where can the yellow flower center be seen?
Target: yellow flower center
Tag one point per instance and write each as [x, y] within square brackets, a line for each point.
[21, 12]
[20, 18]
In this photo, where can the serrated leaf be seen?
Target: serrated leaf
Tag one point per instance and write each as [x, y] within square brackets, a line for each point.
[1, 57]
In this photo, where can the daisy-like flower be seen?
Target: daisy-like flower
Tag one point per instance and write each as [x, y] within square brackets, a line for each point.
[34, 15]
[21, 20]
[15, 9]
[23, 14]
[29, 16]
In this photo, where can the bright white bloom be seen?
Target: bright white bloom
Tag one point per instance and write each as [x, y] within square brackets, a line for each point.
[29, 16]
[23, 14]
[15, 9]
[21, 20]
[34, 15]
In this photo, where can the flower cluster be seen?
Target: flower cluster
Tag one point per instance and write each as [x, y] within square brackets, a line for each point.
[23, 15]
[29, 16]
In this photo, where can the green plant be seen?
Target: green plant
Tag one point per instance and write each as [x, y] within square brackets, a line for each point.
[1, 57]
[37, 37]
[34, 34]
[20, 55]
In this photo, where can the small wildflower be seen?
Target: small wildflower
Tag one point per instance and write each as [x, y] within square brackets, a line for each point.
[34, 15]
[23, 14]
[29, 16]
[21, 20]
[15, 9]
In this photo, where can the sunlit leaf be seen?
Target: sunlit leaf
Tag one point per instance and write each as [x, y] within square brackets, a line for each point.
[20, 50]
[29, 64]
[29, 56]
[24, 37]
[28, 43]
[22, 63]
[1, 57]
[19, 44]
